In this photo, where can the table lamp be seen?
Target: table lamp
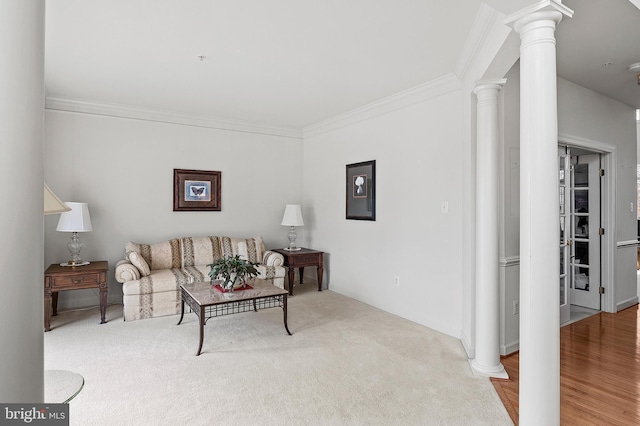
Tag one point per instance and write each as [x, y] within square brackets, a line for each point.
[76, 220]
[292, 217]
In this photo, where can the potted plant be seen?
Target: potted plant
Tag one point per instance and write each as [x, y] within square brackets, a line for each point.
[233, 271]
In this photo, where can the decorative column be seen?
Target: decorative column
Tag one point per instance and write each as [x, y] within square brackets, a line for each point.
[487, 359]
[539, 220]
[22, 221]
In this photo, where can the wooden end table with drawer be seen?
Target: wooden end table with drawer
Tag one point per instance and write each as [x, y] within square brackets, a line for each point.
[299, 259]
[58, 278]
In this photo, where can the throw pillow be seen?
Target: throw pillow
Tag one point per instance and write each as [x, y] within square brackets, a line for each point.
[139, 262]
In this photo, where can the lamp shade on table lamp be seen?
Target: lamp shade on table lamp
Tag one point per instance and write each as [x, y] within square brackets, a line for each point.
[76, 220]
[292, 218]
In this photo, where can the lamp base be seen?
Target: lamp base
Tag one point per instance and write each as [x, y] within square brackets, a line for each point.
[71, 263]
[292, 249]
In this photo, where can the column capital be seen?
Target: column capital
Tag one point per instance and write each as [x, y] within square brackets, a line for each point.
[493, 84]
[545, 9]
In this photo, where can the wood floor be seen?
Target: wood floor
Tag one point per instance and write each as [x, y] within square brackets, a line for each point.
[599, 372]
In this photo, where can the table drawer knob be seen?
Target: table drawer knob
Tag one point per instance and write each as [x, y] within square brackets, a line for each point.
[77, 280]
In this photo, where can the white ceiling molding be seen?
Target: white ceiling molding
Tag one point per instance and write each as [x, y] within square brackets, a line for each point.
[482, 25]
[134, 113]
[486, 38]
[406, 98]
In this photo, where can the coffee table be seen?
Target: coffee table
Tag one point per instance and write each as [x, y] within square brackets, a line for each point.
[207, 302]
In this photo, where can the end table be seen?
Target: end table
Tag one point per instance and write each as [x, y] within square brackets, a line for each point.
[58, 278]
[299, 259]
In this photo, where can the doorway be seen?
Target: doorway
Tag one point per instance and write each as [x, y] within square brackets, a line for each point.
[581, 232]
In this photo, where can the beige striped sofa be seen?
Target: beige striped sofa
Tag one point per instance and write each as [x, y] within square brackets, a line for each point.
[152, 273]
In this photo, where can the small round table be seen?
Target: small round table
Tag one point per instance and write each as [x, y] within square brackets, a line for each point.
[61, 386]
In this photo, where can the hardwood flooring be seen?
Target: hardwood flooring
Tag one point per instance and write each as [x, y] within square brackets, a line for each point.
[599, 371]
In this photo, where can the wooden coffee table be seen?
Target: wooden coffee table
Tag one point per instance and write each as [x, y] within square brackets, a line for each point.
[207, 302]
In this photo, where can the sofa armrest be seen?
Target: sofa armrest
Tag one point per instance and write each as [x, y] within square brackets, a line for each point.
[125, 271]
[271, 258]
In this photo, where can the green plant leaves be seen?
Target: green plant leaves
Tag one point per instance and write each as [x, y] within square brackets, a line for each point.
[231, 269]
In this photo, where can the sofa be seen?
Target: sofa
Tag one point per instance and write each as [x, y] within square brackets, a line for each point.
[151, 274]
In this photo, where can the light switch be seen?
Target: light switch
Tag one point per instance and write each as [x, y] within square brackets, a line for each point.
[444, 207]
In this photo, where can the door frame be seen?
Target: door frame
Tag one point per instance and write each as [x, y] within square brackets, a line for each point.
[608, 213]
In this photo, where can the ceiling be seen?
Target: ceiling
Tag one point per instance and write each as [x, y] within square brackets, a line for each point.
[294, 63]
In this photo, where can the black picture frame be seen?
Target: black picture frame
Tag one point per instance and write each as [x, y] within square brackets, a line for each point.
[361, 191]
[196, 190]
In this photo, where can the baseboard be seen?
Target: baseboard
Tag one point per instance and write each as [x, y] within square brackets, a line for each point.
[510, 348]
[626, 303]
[466, 344]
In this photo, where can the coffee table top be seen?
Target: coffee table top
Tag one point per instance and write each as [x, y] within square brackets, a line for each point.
[205, 294]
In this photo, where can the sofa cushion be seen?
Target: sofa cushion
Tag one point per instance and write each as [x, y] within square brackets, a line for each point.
[164, 255]
[138, 261]
[159, 281]
[197, 273]
[200, 250]
[251, 249]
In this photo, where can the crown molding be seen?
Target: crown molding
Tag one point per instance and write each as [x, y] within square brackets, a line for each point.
[481, 30]
[421, 93]
[486, 40]
[135, 113]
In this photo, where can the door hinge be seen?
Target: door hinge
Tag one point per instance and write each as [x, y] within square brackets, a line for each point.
[601, 231]
[601, 172]
[601, 290]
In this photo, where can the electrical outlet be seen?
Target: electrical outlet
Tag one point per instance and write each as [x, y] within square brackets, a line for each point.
[516, 307]
[396, 281]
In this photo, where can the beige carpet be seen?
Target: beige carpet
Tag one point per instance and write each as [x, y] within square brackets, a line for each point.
[346, 364]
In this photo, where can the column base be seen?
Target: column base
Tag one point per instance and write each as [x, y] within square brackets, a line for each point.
[497, 371]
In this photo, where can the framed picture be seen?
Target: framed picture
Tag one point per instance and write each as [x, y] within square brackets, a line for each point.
[361, 190]
[196, 190]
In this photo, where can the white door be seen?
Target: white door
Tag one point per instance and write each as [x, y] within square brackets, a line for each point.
[584, 260]
[564, 176]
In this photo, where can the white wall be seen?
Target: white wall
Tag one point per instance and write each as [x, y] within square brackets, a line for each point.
[592, 116]
[418, 158]
[124, 169]
[21, 137]
[582, 115]
[510, 214]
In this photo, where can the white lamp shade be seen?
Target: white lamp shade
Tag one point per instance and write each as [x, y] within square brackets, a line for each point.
[53, 204]
[292, 216]
[76, 220]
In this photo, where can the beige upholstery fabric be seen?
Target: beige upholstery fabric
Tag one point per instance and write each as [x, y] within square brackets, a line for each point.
[200, 250]
[271, 258]
[125, 271]
[138, 261]
[179, 261]
[251, 249]
[164, 255]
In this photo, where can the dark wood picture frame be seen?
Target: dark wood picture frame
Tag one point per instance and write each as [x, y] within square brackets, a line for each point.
[196, 190]
[361, 191]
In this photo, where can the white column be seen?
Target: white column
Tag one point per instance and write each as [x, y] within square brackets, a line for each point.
[487, 358]
[539, 217]
[21, 218]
